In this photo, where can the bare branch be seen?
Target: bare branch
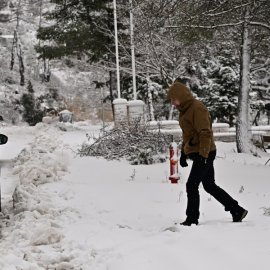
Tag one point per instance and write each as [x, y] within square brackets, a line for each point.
[264, 25]
[225, 11]
[266, 65]
[206, 26]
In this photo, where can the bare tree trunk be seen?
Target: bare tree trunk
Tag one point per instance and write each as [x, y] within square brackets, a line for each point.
[171, 113]
[150, 99]
[16, 45]
[21, 65]
[243, 128]
[40, 14]
[112, 84]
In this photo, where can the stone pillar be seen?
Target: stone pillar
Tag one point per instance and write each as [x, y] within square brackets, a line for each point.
[66, 116]
[120, 111]
[136, 111]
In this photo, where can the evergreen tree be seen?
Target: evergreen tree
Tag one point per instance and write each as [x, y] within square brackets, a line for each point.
[85, 29]
[32, 113]
[220, 92]
[79, 26]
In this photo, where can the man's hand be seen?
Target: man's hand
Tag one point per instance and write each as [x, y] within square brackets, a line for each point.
[183, 160]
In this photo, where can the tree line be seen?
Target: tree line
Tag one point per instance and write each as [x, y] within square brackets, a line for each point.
[220, 48]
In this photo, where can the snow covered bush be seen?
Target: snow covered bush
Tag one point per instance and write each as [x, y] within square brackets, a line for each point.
[266, 211]
[51, 102]
[135, 143]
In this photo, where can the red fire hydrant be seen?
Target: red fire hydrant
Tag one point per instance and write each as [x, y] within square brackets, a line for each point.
[174, 176]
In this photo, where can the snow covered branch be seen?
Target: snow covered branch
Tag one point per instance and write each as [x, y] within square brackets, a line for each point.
[206, 26]
[135, 143]
[260, 67]
[210, 14]
[264, 25]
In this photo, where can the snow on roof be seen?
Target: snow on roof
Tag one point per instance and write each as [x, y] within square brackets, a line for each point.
[264, 128]
[65, 112]
[219, 125]
[6, 36]
[164, 123]
[120, 101]
[6, 12]
[135, 103]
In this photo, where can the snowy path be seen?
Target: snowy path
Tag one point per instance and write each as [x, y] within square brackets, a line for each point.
[16, 142]
[121, 224]
[100, 215]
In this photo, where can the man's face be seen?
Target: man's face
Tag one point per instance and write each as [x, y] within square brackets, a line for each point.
[175, 102]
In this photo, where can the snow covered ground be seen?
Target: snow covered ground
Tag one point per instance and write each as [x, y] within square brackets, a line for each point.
[87, 213]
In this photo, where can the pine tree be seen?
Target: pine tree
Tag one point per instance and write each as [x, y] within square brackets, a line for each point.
[79, 27]
[220, 93]
[84, 29]
[32, 113]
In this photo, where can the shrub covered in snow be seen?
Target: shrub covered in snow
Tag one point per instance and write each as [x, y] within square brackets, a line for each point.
[135, 143]
[266, 211]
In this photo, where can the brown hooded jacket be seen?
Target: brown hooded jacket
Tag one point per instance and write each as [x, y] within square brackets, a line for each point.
[194, 120]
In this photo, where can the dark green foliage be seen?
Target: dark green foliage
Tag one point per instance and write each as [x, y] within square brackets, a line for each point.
[220, 87]
[32, 113]
[193, 35]
[30, 88]
[80, 27]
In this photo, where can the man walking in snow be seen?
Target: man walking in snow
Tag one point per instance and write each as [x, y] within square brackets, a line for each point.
[199, 146]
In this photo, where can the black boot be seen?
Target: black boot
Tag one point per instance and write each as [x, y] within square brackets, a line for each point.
[189, 222]
[238, 214]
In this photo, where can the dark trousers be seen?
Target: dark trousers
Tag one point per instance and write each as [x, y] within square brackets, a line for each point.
[204, 173]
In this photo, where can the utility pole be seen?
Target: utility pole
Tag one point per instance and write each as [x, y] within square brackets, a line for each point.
[116, 49]
[132, 51]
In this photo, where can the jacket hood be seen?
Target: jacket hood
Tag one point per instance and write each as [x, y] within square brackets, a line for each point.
[180, 92]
